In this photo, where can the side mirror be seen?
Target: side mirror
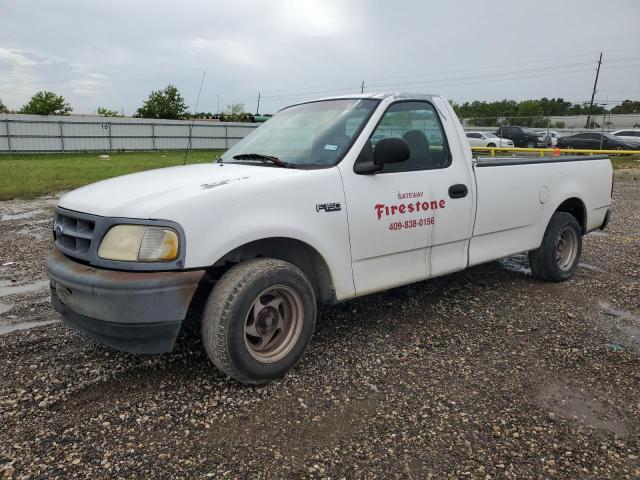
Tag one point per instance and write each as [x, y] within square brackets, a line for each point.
[388, 150]
[391, 150]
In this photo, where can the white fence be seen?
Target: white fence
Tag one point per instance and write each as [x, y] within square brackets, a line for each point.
[40, 133]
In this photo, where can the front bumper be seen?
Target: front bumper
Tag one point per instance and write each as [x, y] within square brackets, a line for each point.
[137, 312]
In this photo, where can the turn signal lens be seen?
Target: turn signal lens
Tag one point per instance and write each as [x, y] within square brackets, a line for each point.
[158, 244]
[139, 243]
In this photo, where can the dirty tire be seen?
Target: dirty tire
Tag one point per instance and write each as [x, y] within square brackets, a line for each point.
[230, 303]
[544, 261]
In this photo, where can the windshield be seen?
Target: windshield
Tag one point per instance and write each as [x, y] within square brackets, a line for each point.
[311, 134]
[490, 135]
[610, 137]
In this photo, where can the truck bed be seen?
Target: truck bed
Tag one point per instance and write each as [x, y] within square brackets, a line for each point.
[514, 204]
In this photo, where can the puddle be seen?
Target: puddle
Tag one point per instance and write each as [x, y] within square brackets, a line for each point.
[593, 268]
[518, 264]
[4, 308]
[4, 328]
[7, 288]
[622, 314]
[21, 216]
[37, 233]
[579, 406]
[623, 326]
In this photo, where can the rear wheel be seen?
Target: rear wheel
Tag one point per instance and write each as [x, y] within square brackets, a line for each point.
[258, 320]
[530, 144]
[491, 144]
[557, 258]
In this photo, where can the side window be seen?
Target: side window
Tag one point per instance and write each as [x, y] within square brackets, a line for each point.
[418, 124]
[473, 135]
[628, 133]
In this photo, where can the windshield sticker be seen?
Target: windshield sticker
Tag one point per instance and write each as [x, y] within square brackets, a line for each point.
[333, 148]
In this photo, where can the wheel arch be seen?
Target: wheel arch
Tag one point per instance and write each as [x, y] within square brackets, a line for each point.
[297, 252]
[576, 207]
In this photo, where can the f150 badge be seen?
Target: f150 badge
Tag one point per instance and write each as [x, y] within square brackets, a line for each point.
[328, 207]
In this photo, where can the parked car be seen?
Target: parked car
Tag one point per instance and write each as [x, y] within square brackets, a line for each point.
[593, 141]
[629, 135]
[521, 136]
[327, 201]
[550, 137]
[487, 139]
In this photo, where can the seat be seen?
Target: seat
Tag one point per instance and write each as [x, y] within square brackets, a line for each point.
[419, 156]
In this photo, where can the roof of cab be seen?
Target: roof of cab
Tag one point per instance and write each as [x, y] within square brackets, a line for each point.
[383, 95]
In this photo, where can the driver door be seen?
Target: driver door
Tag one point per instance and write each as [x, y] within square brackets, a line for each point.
[404, 225]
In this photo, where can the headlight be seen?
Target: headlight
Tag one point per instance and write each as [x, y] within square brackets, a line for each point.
[139, 243]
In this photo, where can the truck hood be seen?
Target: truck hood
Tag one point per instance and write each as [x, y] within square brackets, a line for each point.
[140, 195]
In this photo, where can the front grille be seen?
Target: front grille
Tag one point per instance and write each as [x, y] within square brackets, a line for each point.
[73, 232]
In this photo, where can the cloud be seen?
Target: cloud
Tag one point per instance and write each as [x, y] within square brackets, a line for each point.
[26, 72]
[87, 83]
[230, 51]
[313, 18]
[114, 53]
[16, 57]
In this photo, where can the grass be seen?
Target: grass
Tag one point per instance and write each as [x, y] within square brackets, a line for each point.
[33, 175]
[628, 161]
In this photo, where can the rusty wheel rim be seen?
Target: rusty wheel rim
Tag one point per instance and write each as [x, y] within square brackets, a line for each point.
[566, 248]
[273, 324]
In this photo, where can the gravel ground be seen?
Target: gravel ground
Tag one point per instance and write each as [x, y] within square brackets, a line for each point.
[486, 373]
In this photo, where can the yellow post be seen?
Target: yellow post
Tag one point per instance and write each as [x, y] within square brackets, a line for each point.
[493, 152]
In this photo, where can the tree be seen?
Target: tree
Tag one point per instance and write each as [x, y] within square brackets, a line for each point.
[236, 113]
[105, 112]
[3, 108]
[167, 104]
[628, 106]
[46, 103]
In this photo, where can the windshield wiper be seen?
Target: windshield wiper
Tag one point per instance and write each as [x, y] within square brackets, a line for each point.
[264, 158]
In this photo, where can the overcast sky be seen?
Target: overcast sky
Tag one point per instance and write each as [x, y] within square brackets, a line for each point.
[113, 53]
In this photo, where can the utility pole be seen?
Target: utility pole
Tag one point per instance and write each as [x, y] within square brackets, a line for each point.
[258, 108]
[593, 94]
[362, 87]
[218, 109]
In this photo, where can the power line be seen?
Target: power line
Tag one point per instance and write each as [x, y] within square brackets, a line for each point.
[307, 92]
[311, 93]
[561, 69]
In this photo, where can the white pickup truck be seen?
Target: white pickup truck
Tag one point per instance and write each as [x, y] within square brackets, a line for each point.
[326, 201]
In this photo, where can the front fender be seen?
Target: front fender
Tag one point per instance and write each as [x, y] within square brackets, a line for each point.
[286, 206]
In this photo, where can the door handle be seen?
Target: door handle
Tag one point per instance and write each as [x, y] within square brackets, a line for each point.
[458, 191]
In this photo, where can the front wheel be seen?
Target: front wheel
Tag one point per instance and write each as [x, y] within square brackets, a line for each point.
[531, 144]
[557, 258]
[258, 320]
